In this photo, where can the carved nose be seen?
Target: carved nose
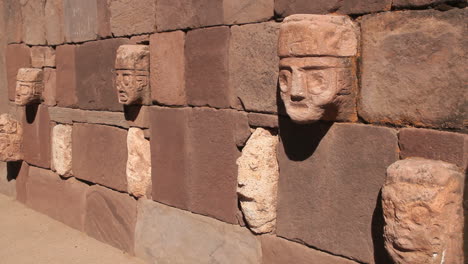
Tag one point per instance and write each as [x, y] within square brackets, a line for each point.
[297, 91]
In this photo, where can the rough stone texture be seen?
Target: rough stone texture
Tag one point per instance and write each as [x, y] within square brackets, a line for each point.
[420, 3]
[190, 169]
[327, 176]
[3, 44]
[422, 204]
[100, 155]
[17, 56]
[14, 21]
[50, 87]
[247, 11]
[257, 181]
[279, 251]
[42, 56]
[253, 65]
[168, 68]
[59, 199]
[21, 171]
[111, 217]
[138, 163]
[11, 139]
[168, 235]
[66, 76]
[33, 17]
[37, 136]
[262, 120]
[29, 86]
[207, 67]
[411, 63]
[287, 7]
[436, 145]
[84, 20]
[62, 150]
[242, 129]
[54, 22]
[131, 17]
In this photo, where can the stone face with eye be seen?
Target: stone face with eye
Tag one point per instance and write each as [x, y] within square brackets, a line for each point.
[132, 74]
[314, 51]
[29, 86]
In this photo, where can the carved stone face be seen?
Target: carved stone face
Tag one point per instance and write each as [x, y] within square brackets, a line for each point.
[28, 86]
[132, 71]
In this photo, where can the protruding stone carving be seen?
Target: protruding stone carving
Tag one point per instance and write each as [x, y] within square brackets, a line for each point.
[422, 203]
[258, 181]
[29, 86]
[11, 138]
[132, 74]
[138, 163]
[315, 65]
[62, 150]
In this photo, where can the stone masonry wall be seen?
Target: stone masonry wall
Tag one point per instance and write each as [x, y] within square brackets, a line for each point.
[213, 170]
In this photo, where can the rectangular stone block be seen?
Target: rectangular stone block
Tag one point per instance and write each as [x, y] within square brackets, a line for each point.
[405, 82]
[50, 87]
[111, 217]
[421, 3]
[253, 65]
[100, 155]
[169, 235]
[247, 11]
[435, 145]
[66, 76]
[37, 135]
[194, 160]
[14, 21]
[207, 67]
[332, 172]
[276, 250]
[262, 120]
[54, 22]
[20, 171]
[85, 20]
[17, 56]
[68, 116]
[168, 68]
[131, 17]
[33, 16]
[42, 56]
[287, 7]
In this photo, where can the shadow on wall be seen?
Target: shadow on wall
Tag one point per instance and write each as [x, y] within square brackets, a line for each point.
[31, 112]
[13, 169]
[380, 253]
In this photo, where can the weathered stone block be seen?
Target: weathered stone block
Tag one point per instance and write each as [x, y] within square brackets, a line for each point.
[286, 7]
[14, 21]
[138, 163]
[33, 17]
[168, 68]
[29, 86]
[50, 87]
[436, 145]
[257, 181]
[162, 231]
[42, 56]
[37, 136]
[85, 20]
[131, 17]
[422, 203]
[11, 139]
[262, 120]
[247, 11]
[207, 67]
[54, 22]
[100, 155]
[21, 171]
[411, 69]
[17, 56]
[111, 217]
[66, 76]
[420, 3]
[253, 65]
[329, 172]
[276, 250]
[62, 150]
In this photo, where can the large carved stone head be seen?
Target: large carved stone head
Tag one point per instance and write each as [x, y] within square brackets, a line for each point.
[315, 58]
[132, 74]
[29, 86]
[11, 137]
[422, 204]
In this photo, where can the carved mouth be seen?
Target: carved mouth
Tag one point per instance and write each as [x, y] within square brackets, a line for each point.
[123, 96]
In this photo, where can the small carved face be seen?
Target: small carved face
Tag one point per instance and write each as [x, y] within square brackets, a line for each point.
[131, 86]
[26, 92]
[306, 90]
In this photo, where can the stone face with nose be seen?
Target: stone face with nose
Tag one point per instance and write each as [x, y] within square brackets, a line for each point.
[316, 54]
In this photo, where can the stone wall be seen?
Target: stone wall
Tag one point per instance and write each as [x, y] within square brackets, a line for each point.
[212, 169]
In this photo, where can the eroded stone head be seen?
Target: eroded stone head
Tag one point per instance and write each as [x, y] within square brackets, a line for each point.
[132, 74]
[11, 138]
[29, 86]
[316, 56]
[422, 203]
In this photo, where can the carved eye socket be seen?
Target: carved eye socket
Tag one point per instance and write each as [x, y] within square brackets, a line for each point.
[25, 89]
[284, 80]
[316, 82]
[126, 79]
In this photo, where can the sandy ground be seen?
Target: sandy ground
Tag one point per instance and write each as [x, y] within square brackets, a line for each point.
[28, 237]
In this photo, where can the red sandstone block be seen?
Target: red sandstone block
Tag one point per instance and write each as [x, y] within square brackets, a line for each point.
[50, 87]
[42, 56]
[418, 3]
[329, 185]
[22, 170]
[207, 67]
[287, 7]
[85, 20]
[111, 217]
[14, 21]
[33, 22]
[54, 22]
[168, 68]
[100, 155]
[66, 76]
[37, 135]
[130, 17]
[436, 145]
[17, 56]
